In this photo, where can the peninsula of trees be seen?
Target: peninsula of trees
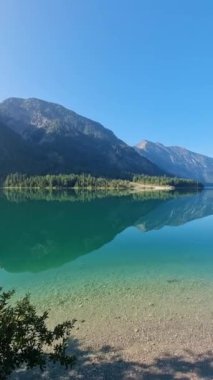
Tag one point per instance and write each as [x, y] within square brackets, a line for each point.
[86, 181]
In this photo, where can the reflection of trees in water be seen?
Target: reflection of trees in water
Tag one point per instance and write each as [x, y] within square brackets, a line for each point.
[38, 235]
[15, 195]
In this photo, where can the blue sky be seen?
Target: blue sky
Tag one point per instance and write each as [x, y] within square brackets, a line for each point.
[143, 68]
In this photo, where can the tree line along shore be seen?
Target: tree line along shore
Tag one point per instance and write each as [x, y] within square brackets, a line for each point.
[86, 181]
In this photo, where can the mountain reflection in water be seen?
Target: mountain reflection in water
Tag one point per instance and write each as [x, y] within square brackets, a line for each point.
[45, 232]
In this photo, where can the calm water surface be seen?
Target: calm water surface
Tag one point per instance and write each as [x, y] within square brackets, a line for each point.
[84, 251]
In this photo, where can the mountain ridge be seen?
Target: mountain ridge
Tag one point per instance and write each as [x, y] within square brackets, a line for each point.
[178, 160]
[160, 144]
[71, 142]
[40, 137]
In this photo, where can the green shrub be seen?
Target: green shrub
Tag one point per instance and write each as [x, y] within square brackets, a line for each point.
[25, 340]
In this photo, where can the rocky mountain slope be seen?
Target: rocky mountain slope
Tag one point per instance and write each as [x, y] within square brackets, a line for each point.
[65, 142]
[178, 161]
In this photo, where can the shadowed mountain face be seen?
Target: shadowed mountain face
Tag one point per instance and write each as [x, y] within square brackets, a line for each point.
[16, 155]
[178, 161]
[67, 142]
[47, 234]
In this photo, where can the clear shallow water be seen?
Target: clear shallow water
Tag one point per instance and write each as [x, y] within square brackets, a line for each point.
[134, 270]
[84, 252]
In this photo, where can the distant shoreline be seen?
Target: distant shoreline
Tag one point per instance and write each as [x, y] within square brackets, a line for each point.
[136, 183]
[133, 186]
[140, 187]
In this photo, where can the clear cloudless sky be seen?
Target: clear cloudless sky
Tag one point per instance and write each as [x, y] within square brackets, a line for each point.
[143, 68]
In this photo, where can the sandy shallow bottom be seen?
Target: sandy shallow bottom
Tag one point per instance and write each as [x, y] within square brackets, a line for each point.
[133, 329]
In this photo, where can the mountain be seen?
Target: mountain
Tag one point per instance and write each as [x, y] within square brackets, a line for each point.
[178, 161]
[16, 155]
[65, 142]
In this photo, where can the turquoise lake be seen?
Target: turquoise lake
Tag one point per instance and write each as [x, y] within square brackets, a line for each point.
[152, 236]
[133, 268]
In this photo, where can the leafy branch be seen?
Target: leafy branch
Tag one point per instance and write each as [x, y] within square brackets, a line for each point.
[25, 340]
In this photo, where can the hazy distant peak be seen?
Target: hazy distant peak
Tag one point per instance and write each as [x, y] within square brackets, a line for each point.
[178, 160]
[144, 144]
[147, 144]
